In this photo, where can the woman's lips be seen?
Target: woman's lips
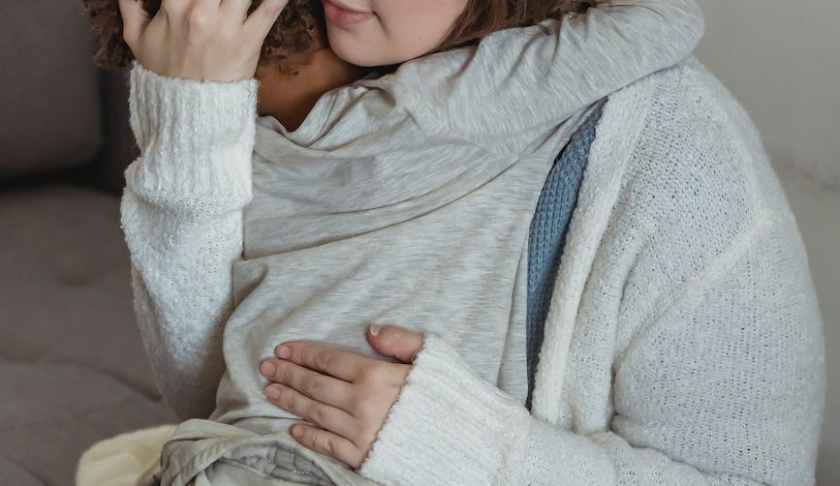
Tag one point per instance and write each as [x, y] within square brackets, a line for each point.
[342, 16]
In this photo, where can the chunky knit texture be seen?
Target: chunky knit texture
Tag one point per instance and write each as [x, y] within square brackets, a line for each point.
[683, 344]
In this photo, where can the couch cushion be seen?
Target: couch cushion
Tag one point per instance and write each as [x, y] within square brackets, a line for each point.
[50, 92]
[73, 370]
[11, 473]
[66, 284]
[52, 412]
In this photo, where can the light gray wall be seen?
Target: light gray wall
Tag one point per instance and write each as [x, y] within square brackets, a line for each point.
[781, 59]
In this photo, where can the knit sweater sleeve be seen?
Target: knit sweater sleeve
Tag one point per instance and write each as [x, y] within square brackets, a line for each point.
[712, 344]
[521, 80]
[720, 383]
[181, 214]
[694, 405]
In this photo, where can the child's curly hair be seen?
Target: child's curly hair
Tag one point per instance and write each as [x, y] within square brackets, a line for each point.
[301, 27]
[298, 29]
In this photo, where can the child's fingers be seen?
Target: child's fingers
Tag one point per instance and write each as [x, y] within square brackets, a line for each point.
[259, 23]
[134, 19]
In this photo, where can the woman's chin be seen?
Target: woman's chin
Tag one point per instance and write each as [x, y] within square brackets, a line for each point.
[350, 51]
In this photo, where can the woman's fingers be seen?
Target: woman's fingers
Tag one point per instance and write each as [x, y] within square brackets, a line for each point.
[235, 11]
[259, 23]
[177, 10]
[174, 8]
[321, 387]
[207, 40]
[135, 18]
[322, 414]
[238, 7]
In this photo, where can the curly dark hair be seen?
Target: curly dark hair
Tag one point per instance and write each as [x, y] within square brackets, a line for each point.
[298, 29]
[301, 26]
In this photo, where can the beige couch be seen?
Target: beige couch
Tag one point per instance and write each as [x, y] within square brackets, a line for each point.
[72, 366]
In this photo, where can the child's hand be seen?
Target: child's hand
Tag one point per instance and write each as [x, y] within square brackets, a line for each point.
[346, 395]
[204, 40]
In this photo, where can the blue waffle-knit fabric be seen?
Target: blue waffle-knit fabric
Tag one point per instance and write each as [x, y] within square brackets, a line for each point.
[547, 235]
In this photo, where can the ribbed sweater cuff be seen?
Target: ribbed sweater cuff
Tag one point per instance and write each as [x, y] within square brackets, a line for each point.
[196, 140]
[448, 426]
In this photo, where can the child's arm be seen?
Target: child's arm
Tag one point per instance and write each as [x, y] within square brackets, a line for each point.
[181, 213]
[517, 80]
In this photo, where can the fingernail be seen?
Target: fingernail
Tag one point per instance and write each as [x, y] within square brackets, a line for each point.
[272, 391]
[267, 368]
[375, 328]
[283, 352]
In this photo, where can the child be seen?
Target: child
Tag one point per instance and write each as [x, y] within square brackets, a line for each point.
[404, 198]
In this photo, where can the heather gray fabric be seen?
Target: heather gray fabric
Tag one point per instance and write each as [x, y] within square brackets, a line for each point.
[231, 456]
[407, 199]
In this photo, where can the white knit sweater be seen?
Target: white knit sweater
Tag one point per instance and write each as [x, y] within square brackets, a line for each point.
[683, 345]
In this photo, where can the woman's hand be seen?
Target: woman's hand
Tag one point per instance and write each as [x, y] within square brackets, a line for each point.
[346, 394]
[204, 40]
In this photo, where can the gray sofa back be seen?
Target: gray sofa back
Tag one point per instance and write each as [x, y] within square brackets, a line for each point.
[57, 109]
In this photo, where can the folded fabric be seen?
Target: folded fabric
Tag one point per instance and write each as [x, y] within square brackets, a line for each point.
[124, 460]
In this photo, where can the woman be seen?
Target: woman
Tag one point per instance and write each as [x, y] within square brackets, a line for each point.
[668, 354]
